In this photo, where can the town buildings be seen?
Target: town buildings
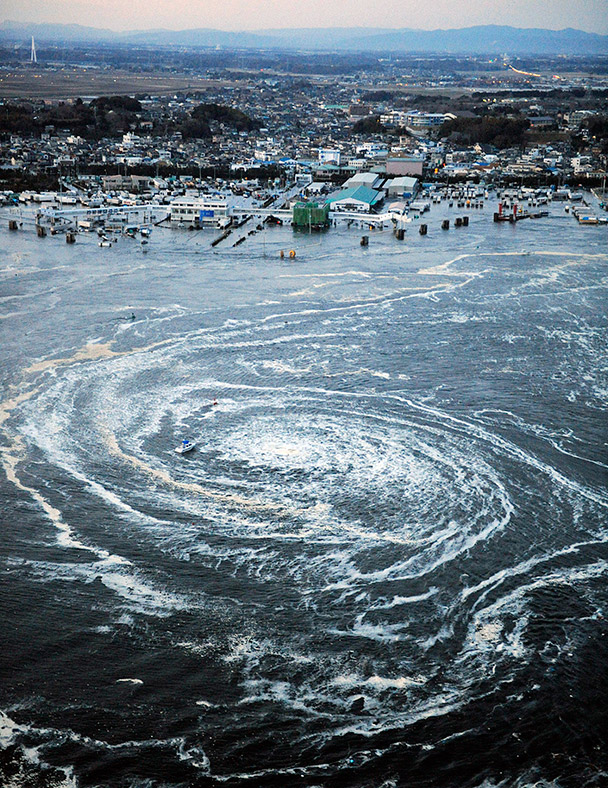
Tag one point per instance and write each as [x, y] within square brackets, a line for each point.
[308, 137]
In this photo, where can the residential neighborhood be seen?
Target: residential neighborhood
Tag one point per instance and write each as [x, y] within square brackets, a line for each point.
[279, 126]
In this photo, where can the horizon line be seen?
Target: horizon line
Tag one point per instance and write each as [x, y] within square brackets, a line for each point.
[279, 29]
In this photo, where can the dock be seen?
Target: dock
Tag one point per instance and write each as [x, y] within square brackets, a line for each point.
[515, 214]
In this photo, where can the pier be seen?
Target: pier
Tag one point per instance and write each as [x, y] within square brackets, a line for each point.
[516, 214]
[71, 218]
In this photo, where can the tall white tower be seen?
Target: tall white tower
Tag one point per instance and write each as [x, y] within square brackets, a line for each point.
[33, 58]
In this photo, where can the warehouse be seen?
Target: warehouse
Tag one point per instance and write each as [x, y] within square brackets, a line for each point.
[370, 179]
[360, 199]
[404, 165]
[404, 186]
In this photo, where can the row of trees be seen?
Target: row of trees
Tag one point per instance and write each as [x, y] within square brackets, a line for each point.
[598, 128]
[104, 116]
[21, 180]
[198, 124]
[500, 132]
[110, 116]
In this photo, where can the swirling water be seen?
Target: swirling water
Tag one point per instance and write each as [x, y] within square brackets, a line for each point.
[385, 562]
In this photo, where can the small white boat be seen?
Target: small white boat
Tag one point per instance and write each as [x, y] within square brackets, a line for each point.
[185, 445]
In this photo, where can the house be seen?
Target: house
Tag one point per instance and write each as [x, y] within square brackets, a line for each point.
[131, 183]
[359, 110]
[542, 121]
[317, 187]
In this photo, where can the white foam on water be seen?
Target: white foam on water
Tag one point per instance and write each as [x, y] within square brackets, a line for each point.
[378, 683]
[9, 730]
[264, 690]
[142, 596]
[50, 736]
[119, 576]
[330, 274]
[282, 367]
[522, 569]
[10, 735]
[486, 630]
[195, 757]
[65, 533]
[515, 451]
[530, 779]
[445, 632]
[440, 467]
[383, 633]
[398, 601]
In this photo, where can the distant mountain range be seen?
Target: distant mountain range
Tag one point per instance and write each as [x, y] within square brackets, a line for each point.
[487, 39]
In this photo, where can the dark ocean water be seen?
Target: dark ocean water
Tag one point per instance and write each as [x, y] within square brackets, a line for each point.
[385, 562]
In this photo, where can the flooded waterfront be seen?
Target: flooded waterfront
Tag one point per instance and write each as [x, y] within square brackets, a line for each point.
[385, 561]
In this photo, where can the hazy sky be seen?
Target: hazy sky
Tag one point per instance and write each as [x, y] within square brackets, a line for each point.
[591, 15]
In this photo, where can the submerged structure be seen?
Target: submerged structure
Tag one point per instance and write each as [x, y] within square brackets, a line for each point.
[310, 215]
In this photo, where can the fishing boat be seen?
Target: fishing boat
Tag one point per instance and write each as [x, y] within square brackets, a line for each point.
[185, 445]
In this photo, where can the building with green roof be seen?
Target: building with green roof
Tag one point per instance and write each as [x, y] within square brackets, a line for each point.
[361, 199]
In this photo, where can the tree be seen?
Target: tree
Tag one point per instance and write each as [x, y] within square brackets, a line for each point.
[369, 125]
[230, 116]
[501, 132]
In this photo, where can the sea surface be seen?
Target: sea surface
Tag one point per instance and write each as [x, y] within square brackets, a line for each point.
[385, 562]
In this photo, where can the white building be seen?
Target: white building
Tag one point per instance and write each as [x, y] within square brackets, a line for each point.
[413, 119]
[372, 149]
[358, 164]
[403, 186]
[424, 120]
[580, 163]
[393, 118]
[404, 165]
[129, 139]
[303, 178]
[262, 155]
[316, 188]
[200, 210]
[576, 118]
[370, 179]
[329, 156]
